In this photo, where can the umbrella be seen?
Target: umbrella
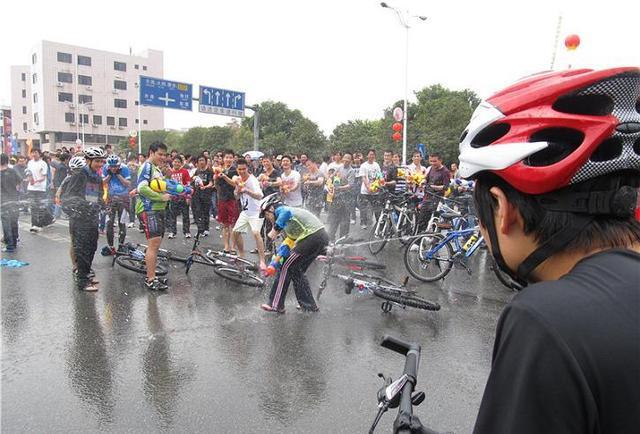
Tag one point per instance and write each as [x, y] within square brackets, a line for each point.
[254, 155]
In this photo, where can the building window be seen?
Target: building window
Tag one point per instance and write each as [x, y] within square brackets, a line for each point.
[24, 127]
[36, 118]
[84, 79]
[35, 78]
[120, 103]
[137, 121]
[84, 60]
[35, 97]
[137, 103]
[120, 66]
[144, 68]
[111, 120]
[65, 97]
[64, 57]
[97, 120]
[120, 84]
[34, 58]
[136, 66]
[144, 122]
[83, 99]
[24, 93]
[122, 122]
[24, 109]
[84, 118]
[24, 76]
[65, 77]
[69, 117]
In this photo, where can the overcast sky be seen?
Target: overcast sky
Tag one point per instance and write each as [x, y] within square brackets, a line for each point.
[333, 60]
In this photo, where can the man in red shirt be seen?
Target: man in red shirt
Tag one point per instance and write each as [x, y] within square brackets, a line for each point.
[179, 204]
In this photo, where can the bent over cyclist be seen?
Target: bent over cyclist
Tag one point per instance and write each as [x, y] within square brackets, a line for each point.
[310, 240]
[557, 163]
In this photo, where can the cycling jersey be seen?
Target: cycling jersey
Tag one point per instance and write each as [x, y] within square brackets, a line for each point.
[116, 187]
[149, 200]
[297, 223]
[81, 194]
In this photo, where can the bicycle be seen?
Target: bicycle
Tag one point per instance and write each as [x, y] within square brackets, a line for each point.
[334, 257]
[392, 293]
[234, 268]
[439, 253]
[400, 393]
[131, 257]
[397, 219]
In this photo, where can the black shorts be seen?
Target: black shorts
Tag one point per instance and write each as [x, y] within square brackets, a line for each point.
[153, 222]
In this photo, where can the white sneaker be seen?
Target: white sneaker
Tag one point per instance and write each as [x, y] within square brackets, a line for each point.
[171, 235]
[363, 226]
[205, 233]
[130, 225]
[353, 222]
[187, 235]
[35, 229]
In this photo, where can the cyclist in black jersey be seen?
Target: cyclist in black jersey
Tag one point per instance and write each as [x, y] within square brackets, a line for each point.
[557, 163]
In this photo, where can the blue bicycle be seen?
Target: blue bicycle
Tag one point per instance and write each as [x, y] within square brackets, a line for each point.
[431, 256]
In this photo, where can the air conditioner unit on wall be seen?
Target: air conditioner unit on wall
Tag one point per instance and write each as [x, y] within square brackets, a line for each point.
[72, 124]
[89, 88]
[72, 106]
[59, 84]
[114, 91]
[94, 125]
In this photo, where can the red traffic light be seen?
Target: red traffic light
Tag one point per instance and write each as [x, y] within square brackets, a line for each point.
[396, 136]
[397, 126]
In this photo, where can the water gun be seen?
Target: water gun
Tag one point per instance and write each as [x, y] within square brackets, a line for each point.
[217, 171]
[281, 255]
[170, 186]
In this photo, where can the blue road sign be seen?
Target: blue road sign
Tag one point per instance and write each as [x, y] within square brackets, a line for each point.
[159, 92]
[221, 101]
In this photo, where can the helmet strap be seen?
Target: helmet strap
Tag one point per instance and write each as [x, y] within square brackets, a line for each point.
[497, 254]
[555, 243]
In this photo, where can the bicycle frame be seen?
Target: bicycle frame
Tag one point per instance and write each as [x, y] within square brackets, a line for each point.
[455, 237]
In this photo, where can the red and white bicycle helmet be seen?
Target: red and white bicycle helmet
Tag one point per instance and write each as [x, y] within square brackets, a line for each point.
[554, 129]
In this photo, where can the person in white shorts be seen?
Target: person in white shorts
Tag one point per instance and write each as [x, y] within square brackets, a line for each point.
[249, 193]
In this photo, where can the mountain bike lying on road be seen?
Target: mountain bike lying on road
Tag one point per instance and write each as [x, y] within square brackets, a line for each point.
[131, 257]
[392, 293]
[226, 265]
[399, 393]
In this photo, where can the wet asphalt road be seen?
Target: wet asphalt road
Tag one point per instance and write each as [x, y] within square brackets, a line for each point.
[203, 357]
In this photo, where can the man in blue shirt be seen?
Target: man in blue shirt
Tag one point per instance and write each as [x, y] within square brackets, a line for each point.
[116, 180]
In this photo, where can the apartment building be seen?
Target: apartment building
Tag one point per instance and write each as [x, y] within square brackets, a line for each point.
[69, 92]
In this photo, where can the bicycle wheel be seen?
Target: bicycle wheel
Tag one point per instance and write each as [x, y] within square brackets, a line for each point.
[405, 300]
[423, 267]
[358, 263]
[379, 234]
[231, 260]
[139, 266]
[239, 276]
[407, 228]
[379, 280]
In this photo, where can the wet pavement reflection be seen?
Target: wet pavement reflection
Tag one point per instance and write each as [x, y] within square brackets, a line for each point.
[203, 358]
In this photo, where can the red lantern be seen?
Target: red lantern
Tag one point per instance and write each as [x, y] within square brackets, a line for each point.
[132, 142]
[397, 136]
[572, 42]
[397, 127]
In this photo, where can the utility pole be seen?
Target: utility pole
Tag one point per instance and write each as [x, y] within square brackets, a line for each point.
[256, 124]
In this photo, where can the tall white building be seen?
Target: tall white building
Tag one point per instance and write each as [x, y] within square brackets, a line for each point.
[70, 92]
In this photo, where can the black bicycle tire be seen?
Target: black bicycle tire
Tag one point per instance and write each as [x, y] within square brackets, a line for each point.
[232, 262]
[171, 257]
[366, 265]
[438, 276]
[231, 273]
[405, 300]
[140, 267]
[376, 244]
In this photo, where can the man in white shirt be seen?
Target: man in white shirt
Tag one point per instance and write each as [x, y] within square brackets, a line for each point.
[290, 184]
[369, 172]
[37, 171]
[249, 193]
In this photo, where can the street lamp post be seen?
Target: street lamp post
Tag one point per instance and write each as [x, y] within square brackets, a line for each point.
[256, 123]
[404, 21]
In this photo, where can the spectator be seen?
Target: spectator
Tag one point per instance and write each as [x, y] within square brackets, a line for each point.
[290, 184]
[227, 204]
[343, 182]
[369, 172]
[179, 205]
[9, 212]
[36, 172]
[201, 200]
[313, 188]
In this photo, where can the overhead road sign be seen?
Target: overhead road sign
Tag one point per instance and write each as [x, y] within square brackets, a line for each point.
[221, 101]
[159, 92]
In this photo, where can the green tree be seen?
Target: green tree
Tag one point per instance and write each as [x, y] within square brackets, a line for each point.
[360, 136]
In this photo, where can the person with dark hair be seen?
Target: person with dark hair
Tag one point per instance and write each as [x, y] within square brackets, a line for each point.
[60, 173]
[36, 174]
[249, 194]
[343, 199]
[9, 183]
[117, 179]
[269, 183]
[227, 204]
[370, 199]
[179, 204]
[290, 183]
[201, 199]
[151, 208]
[557, 166]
